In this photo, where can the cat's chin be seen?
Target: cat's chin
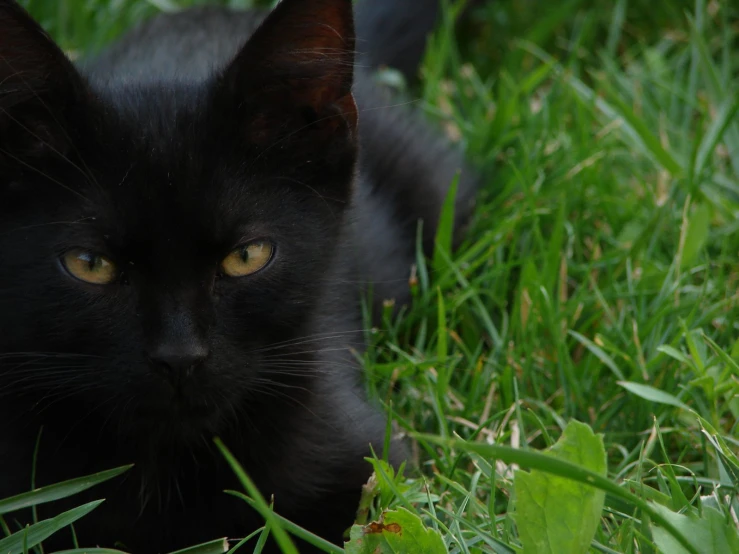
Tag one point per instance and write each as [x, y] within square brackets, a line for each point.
[179, 409]
[178, 419]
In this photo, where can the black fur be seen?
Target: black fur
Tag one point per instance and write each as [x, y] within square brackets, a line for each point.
[394, 32]
[165, 153]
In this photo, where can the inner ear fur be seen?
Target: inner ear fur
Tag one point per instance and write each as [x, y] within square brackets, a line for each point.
[39, 87]
[300, 60]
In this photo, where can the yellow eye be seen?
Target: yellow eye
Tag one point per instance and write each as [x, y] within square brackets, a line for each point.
[247, 259]
[90, 267]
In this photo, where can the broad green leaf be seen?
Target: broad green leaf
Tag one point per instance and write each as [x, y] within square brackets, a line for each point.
[709, 533]
[58, 491]
[562, 468]
[696, 236]
[556, 514]
[398, 532]
[27, 538]
[653, 395]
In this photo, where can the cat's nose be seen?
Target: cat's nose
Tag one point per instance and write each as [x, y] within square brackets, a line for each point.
[178, 360]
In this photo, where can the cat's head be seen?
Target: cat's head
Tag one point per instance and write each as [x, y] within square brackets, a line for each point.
[156, 240]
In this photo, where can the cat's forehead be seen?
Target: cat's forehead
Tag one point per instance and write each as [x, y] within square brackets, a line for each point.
[150, 143]
[163, 122]
[170, 166]
[167, 227]
[154, 177]
[172, 198]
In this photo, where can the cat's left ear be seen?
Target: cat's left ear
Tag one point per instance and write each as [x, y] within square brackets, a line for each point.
[297, 70]
[39, 89]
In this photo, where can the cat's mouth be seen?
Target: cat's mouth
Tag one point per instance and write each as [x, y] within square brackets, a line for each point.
[191, 404]
[192, 408]
[183, 403]
[178, 409]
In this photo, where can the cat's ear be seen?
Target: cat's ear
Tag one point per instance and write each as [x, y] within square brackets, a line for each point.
[39, 87]
[299, 64]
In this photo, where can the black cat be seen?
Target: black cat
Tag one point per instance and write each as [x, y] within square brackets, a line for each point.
[185, 226]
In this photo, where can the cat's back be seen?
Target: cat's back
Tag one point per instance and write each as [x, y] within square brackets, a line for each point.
[186, 46]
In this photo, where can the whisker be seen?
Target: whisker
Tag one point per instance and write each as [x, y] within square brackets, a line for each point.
[317, 351]
[308, 338]
[276, 393]
[89, 175]
[45, 175]
[26, 227]
[48, 355]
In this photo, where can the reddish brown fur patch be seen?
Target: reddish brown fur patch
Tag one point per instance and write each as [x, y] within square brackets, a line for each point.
[303, 53]
[30, 62]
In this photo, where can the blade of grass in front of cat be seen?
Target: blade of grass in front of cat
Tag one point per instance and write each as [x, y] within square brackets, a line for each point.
[35, 534]
[58, 491]
[292, 528]
[281, 537]
[218, 546]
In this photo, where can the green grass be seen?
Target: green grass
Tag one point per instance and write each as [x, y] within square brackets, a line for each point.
[599, 281]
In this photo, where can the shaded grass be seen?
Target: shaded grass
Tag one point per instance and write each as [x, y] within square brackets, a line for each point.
[603, 250]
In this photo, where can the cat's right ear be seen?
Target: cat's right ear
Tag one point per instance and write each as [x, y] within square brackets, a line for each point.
[296, 72]
[40, 90]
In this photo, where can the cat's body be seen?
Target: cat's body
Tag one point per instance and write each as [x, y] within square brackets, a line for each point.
[176, 147]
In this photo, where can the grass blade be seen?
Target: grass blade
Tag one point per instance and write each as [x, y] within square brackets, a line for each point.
[599, 353]
[91, 551]
[653, 395]
[33, 535]
[715, 133]
[445, 230]
[294, 530]
[259, 504]
[58, 491]
[634, 127]
[218, 546]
